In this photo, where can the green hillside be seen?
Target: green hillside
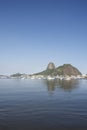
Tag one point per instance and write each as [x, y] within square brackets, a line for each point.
[66, 69]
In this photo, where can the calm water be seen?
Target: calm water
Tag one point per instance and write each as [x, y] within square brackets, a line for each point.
[43, 105]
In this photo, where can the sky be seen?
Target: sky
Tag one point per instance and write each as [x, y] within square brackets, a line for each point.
[36, 32]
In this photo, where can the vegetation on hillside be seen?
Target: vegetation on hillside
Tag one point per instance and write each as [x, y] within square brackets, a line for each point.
[66, 69]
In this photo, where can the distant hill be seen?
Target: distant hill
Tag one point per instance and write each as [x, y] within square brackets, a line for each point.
[16, 75]
[66, 69]
[51, 66]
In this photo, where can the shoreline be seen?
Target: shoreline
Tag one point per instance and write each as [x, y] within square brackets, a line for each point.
[48, 77]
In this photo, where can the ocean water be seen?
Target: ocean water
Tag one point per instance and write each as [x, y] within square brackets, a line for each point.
[43, 105]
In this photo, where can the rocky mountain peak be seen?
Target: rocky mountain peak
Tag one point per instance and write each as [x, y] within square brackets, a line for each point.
[51, 66]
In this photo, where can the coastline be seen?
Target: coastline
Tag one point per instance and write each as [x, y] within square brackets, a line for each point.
[48, 77]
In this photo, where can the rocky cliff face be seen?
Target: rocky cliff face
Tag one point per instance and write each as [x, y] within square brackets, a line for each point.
[67, 69]
[51, 66]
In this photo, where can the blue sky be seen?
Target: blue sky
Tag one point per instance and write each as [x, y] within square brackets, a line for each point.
[35, 32]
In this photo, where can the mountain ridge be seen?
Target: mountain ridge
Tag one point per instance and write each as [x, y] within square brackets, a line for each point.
[65, 69]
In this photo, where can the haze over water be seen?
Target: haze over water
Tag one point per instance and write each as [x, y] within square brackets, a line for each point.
[41, 104]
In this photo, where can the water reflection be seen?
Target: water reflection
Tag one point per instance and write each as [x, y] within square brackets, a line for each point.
[68, 85]
[62, 84]
[51, 85]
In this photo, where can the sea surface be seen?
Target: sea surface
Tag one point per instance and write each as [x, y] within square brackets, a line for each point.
[43, 104]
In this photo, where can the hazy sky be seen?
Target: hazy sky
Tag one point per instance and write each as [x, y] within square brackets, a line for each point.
[35, 32]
